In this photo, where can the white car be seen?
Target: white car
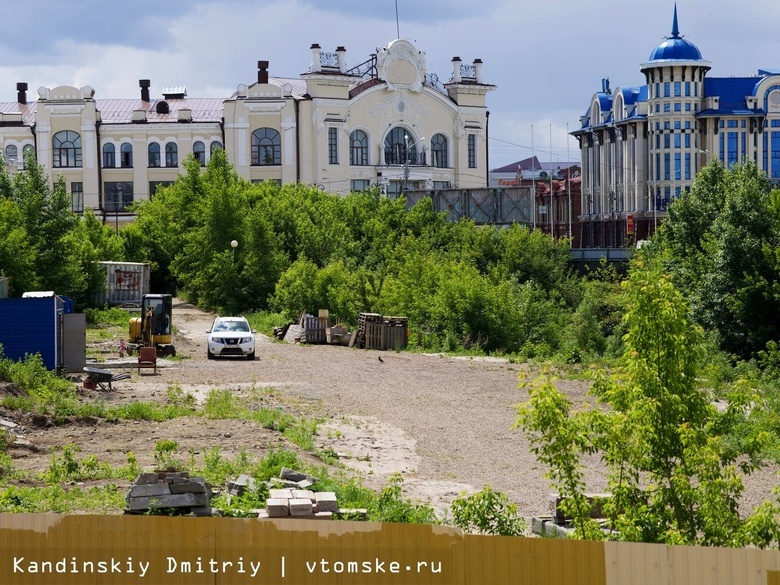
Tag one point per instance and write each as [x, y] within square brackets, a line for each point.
[230, 336]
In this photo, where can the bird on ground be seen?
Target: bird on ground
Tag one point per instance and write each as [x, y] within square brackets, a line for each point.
[381, 361]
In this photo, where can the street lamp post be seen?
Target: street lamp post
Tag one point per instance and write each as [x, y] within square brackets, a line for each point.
[234, 245]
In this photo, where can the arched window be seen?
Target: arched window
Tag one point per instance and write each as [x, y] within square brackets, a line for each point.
[199, 150]
[66, 151]
[358, 148]
[400, 147]
[28, 150]
[439, 151]
[216, 145]
[11, 153]
[126, 154]
[154, 155]
[171, 155]
[109, 156]
[266, 147]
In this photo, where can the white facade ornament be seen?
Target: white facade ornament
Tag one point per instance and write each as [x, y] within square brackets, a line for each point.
[458, 128]
[400, 106]
[401, 66]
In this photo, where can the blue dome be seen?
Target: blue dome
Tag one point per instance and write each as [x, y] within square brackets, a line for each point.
[675, 48]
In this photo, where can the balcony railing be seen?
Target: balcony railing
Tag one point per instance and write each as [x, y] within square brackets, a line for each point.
[402, 157]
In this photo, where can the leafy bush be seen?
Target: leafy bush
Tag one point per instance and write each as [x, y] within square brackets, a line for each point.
[487, 512]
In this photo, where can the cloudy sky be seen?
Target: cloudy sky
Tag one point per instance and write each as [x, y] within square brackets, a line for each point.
[546, 58]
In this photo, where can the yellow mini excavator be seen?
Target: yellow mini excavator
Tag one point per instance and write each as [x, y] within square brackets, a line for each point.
[153, 327]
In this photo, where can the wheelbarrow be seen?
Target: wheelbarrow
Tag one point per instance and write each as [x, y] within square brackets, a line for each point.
[103, 377]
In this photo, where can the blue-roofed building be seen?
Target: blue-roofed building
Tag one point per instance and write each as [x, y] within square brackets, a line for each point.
[642, 146]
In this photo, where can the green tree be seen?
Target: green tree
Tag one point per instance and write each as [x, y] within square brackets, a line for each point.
[670, 473]
[720, 242]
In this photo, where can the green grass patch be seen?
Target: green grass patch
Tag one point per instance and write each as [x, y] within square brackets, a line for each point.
[61, 500]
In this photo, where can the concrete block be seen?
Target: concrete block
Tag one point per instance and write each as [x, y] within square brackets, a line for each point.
[326, 501]
[280, 493]
[262, 514]
[150, 489]
[191, 487]
[323, 515]
[277, 507]
[147, 478]
[171, 501]
[300, 507]
[304, 484]
[303, 494]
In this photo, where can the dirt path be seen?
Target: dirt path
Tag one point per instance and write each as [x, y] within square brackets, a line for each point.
[445, 423]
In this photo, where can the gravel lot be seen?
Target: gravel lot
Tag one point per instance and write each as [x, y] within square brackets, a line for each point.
[445, 423]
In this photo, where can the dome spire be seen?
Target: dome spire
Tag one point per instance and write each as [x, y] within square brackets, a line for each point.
[675, 30]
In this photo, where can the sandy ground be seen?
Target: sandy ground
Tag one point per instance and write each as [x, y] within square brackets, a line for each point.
[444, 423]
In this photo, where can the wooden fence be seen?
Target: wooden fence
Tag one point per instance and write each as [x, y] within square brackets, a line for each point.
[51, 549]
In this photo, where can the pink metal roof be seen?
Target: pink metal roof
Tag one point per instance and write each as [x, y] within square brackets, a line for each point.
[120, 111]
[27, 110]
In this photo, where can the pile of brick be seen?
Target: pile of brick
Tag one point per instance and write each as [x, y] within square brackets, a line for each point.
[176, 493]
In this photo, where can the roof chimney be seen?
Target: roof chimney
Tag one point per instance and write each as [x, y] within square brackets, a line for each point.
[262, 72]
[144, 84]
[341, 53]
[21, 87]
[456, 74]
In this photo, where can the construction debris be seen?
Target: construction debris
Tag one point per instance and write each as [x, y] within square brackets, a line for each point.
[172, 492]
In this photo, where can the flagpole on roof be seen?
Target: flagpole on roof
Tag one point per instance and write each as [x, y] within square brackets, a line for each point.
[397, 26]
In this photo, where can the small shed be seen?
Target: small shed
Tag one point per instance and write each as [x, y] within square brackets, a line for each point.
[44, 323]
[126, 283]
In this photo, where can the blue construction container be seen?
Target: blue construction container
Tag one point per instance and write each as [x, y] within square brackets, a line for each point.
[33, 324]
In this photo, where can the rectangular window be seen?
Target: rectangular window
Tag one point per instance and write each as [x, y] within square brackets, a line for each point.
[154, 158]
[667, 107]
[472, 151]
[687, 89]
[667, 140]
[667, 89]
[732, 124]
[687, 106]
[154, 185]
[677, 158]
[677, 140]
[657, 167]
[658, 141]
[333, 146]
[109, 160]
[667, 167]
[118, 195]
[687, 141]
[126, 158]
[657, 90]
[744, 145]
[733, 155]
[722, 145]
[657, 108]
[775, 162]
[687, 166]
[359, 185]
[677, 89]
[77, 197]
[677, 106]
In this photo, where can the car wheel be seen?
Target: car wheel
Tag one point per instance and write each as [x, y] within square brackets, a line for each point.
[209, 354]
[251, 356]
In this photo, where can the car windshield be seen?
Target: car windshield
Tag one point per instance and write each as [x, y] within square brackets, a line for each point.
[231, 326]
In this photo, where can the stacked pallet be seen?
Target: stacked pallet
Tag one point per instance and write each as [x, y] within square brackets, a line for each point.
[376, 331]
[175, 493]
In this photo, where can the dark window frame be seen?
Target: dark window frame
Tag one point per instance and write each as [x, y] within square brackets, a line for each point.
[472, 150]
[109, 156]
[358, 148]
[171, 155]
[153, 151]
[66, 150]
[126, 155]
[200, 153]
[266, 147]
[333, 145]
[118, 195]
[439, 148]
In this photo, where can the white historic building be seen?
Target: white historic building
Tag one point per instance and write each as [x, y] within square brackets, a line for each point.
[642, 146]
[386, 122]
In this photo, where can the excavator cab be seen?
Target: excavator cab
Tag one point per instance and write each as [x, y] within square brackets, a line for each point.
[153, 327]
